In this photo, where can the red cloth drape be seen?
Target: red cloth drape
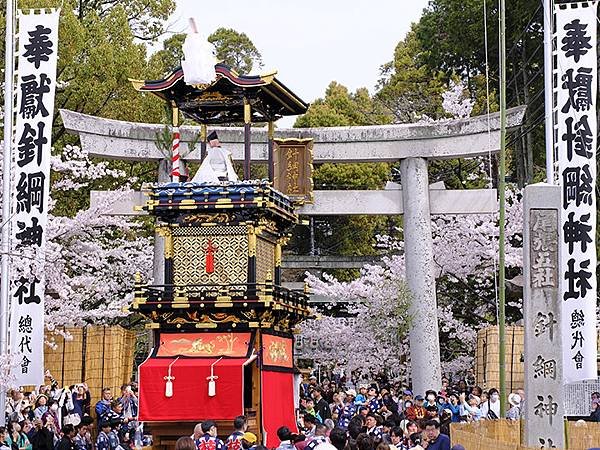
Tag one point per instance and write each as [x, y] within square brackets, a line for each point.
[278, 407]
[190, 400]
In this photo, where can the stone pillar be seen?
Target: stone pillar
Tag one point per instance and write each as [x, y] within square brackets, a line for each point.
[420, 276]
[544, 404]
[158, 267]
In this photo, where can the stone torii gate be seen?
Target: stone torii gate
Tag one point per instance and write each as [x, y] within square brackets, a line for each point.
[411, 144]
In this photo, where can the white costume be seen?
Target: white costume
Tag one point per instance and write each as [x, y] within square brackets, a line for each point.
[199, 59]
[217, 164]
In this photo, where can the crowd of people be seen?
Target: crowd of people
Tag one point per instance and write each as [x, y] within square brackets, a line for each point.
[55, 418]
[383, 416]
[330, 416]
[379, 416]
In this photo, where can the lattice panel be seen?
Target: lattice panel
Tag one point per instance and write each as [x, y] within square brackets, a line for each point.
[230, 256]
[265, 260]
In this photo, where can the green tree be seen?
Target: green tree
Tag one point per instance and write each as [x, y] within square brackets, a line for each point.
[451, 37]
[236, 50]
[349, 236]
[340, 108]
[145, 18]
[408, 88]
[169, 57]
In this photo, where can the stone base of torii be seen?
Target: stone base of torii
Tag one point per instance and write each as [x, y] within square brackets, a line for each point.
[411, 144]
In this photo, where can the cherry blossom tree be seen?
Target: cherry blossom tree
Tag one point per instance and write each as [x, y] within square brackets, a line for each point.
[90, 258]
[465, 251]
[465, 254]
[377, 303]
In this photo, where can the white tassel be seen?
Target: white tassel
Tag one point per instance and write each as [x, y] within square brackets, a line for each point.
[169, 381]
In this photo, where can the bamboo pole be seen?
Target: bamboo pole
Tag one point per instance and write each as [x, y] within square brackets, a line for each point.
[501, 190]
[8, 132]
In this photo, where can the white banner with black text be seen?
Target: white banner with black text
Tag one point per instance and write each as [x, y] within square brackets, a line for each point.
[576, 71]
[35, 87]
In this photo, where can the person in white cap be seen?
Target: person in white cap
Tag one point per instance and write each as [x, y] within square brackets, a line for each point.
[514, 413]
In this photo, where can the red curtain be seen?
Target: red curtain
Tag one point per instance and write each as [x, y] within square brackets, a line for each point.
[190, 400]
[278, 407]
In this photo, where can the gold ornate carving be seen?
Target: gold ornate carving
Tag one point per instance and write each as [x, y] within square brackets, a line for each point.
[266, 318]
[269, 225]
[251, 241]
[198, 219]
[212, 96]
[265, 260]
[278, 352]
[179, 320]
[210, 230]
[247, 111]
[224, 318]
[167, 234]
[278, 253]
[284, 324]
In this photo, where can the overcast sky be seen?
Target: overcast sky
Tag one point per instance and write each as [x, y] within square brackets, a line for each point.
[312, 42]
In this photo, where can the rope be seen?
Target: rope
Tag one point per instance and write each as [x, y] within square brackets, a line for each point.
[175, 174]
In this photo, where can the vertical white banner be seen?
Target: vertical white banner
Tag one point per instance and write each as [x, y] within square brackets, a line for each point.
[36, 82]
[576, 71]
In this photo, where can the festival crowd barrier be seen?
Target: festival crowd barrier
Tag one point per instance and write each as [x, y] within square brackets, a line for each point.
[100, 356]
[506, 435]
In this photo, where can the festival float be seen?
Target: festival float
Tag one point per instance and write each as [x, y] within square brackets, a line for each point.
[222, 324]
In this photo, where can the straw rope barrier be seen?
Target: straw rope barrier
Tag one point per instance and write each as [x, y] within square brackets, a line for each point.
[99, 356]
[506, 435]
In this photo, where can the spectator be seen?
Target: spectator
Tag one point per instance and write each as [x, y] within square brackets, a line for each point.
[103, 406]
[361, 398]
[319, 437]
[249, 441]
[185, 443]
[415, 441]
[3, 439]
[514, 413]
[67, 442]
[102, 441]
[16, 438]
[454, 408]
[490, 409]
[83, 440]
[129, 401]
[44, 434]
[373, 430]
[197, 434]
[286, 439]
[396, 438]
[240, 426]
[416, 413]
[321, 406]
[210, 440]
[470, 409]
[435, 440]
[310, 422]
[81, 400]
[41, 406]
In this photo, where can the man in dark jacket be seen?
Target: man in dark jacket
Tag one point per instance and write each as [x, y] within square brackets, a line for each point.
[67, 442]
[321, 406]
